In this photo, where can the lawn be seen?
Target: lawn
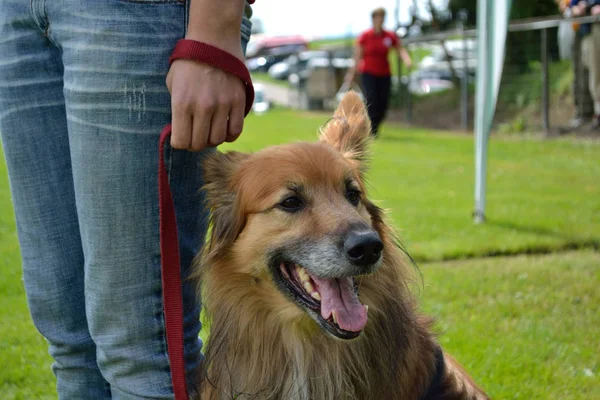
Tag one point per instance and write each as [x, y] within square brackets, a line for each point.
[526, 326]
[543, 195]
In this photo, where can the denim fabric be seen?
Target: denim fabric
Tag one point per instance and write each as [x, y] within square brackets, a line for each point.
[82, 103]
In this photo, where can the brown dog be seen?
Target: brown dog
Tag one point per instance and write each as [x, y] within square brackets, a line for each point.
[305, 288]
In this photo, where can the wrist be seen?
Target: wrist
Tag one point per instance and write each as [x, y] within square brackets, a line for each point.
[218, 23]
[230, 43]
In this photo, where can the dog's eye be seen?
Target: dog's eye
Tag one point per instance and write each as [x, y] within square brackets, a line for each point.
[291, 204]
[353, 196]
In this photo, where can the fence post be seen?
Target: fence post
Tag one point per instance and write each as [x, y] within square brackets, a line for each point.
[406, 89]
[545, 84]
[399, 87]
[464, 98]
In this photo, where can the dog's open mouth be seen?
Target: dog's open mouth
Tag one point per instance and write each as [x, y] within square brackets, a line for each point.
[333, 302]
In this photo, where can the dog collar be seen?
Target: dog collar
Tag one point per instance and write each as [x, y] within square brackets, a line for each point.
[432, 392]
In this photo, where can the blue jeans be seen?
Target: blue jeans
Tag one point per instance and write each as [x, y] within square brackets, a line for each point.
[82, 103]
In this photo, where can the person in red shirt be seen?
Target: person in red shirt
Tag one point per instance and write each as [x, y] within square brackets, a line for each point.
[371, 60]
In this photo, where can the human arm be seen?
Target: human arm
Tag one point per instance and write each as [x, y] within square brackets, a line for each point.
[208, 104]
[576, 10]
[401, 50]
[358, 55]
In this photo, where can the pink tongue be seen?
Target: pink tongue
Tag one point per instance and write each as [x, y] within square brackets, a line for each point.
[339, 295]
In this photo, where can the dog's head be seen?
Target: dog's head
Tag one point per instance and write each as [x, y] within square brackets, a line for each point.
[293, 226]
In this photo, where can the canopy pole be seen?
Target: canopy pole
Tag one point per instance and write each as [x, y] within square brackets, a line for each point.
[492, 25]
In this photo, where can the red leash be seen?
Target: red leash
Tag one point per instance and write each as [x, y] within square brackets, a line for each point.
[171, 275]
[169, 242]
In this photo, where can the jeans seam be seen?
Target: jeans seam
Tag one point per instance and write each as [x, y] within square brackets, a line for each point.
[47, 33]
[186, 17]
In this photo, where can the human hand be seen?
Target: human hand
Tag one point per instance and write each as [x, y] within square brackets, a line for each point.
[579, 9]
[349, 78]
[207, 105]
[596, 10]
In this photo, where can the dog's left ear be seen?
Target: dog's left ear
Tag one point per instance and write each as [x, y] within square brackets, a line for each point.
[221, 196]
[349, 131]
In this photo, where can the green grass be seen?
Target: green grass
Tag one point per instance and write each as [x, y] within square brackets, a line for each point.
[525, 327]
[542, 195]
[525, 89]
[328, 43]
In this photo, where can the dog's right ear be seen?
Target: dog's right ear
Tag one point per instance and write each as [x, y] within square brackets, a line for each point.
[349, 131]
[221, 197]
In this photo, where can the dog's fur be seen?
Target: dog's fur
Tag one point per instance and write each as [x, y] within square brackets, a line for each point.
[262, 344]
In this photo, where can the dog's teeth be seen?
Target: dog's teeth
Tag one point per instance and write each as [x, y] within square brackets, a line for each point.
[334, 315]
[308, 287]
[302, 274]
[316, 296]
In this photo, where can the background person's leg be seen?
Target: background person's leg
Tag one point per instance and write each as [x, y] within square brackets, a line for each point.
[594, 67]
[370, 93]
[36, 147]
[381, 93]
[584, 106]
[383, 88]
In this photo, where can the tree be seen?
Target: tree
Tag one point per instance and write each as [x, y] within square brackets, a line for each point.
[520, 9]
[521, 47]
[470, 6]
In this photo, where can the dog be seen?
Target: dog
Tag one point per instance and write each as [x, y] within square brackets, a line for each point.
[305, 288]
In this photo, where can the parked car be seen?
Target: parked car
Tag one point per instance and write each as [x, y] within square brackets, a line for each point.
[427, 86]
[272, 56]
[294, 64]
[260, 45]
[300, 77]
[443, 74]
[423, 82]
[462, 55]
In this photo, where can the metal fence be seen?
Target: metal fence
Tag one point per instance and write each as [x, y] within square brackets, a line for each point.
[537, 91]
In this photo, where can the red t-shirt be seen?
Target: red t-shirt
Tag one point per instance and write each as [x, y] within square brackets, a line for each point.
[376, 47]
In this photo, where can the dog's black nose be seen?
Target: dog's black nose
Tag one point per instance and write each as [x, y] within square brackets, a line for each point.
[363, 247]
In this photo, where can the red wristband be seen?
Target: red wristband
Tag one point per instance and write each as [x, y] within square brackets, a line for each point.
[205, 53]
